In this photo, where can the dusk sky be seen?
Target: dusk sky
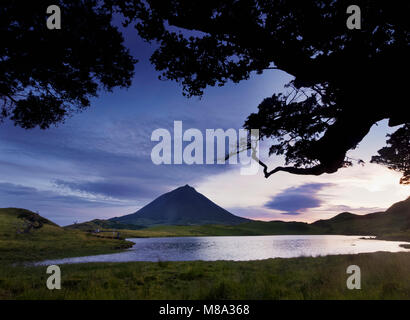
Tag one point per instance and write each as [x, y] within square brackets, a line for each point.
[98, 165]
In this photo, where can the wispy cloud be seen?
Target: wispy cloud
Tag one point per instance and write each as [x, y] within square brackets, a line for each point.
[296, 200]
[14, 195]
[117, 188]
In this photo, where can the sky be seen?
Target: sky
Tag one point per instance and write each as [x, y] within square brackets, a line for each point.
[98, 163]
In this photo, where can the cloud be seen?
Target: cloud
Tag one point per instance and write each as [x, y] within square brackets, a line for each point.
[83, 170]
[118, 189]
[14, 195]
[115, 163]
[61, 208]
[296, 200]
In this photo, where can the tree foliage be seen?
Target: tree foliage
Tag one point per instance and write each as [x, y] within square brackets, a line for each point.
[344, 82]
[396, 155]
[45, 75]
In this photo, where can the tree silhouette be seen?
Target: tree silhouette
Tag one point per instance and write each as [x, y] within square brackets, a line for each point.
[396, 156]
[45, 75]
[344, 82]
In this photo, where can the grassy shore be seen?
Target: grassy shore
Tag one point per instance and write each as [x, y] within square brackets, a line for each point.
[384, 276]
[396, 236]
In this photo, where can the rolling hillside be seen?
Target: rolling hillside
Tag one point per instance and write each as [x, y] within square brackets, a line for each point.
[26, 236]
[396, 219]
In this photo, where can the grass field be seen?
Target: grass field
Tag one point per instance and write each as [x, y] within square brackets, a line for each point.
[245, 229]
[384, 276]
[396, 236]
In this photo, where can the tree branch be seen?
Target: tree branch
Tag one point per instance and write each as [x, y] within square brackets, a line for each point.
[316, 170]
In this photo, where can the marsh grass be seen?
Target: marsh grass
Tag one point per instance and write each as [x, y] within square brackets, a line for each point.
[384, 276]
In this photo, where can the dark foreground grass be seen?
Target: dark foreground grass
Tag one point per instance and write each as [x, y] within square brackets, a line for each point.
[384, 276]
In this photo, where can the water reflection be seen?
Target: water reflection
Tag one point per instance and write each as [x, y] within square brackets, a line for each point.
[238, 248]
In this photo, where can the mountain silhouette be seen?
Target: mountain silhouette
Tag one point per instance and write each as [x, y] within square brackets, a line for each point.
[182, 206]
[185, 206]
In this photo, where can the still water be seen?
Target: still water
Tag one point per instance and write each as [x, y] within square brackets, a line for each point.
[238, 248]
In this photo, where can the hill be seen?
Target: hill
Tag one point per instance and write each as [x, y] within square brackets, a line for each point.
[182, 206]
[396, 219]
[27, 236]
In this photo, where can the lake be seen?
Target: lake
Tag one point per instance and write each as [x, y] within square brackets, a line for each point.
[239, 248]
